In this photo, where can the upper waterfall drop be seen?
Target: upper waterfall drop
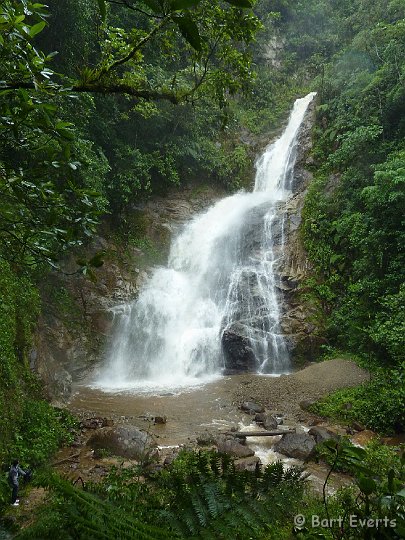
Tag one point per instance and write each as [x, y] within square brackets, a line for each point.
[275, 166]
[218, 291]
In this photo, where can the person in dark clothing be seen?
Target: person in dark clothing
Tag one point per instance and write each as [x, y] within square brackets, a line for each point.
[15, 471]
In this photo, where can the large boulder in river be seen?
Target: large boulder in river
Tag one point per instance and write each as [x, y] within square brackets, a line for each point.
[295, 445]
[247, 464]
[322, 434]
[238, 353]
[233, 447]
[268, 421]
[123, 440]
[252, 408]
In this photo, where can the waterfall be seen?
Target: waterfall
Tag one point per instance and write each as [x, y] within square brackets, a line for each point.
[219, 286]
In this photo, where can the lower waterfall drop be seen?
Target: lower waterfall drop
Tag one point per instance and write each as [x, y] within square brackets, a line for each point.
[215, 304]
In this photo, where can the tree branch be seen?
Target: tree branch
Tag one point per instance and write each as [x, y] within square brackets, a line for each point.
[136, 48]
[133, 8]
[103, 88]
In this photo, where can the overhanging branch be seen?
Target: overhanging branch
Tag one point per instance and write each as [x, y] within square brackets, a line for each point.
[103, 88]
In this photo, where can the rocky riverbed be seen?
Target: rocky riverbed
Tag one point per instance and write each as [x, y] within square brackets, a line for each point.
[206, 416]
[209, 416]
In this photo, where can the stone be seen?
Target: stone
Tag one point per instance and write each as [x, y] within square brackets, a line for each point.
[251, 407]
[295, 445]
[123, 440]
[233, 448]
[238, 353]
[247, 464]
[155, 418]
[322, 434]
[60, 384]
[267, 421]
[362, 438]
[205, 439]
[357, 426]
[305, 404]
[96, 422]
[171, 457]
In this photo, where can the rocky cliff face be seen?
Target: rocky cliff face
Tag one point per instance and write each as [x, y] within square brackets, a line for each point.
[298, 315]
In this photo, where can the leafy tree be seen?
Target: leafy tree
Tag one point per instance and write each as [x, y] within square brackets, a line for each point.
[43, 207]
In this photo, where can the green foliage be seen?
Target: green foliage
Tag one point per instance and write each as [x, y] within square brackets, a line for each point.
[19, 307]
[201, 495]
[79, 514]
[353, 216]
[30, 428]
[378, 496]
[39, 432]
[44, 207]
[378, 404]
[208, 497]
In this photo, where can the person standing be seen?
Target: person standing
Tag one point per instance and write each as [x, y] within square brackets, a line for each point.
[14, 473]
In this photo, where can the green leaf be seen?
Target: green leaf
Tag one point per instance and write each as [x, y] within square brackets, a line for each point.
[103, 9]
[240, 3]
[189, 30]
[36, 28]
[177, 5]
[355, 452]
[367, 485]
[155, 6]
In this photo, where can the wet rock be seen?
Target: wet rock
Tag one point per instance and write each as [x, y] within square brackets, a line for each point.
[295, 445]
[205, 439]
[357, 426]
[123, 440]
[247, 464]
[306, 404]
[362, 438]
[96, 422]
[251, 407]
[268, 421]
[233, 447]
[155, 418]
[322, 434]
[238, 353]
[171, 457]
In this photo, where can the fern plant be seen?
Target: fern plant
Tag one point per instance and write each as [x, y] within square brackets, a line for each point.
[79, 514]
[207, 497]
[201, 495]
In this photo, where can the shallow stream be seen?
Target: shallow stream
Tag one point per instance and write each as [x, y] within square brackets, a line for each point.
[192, 411]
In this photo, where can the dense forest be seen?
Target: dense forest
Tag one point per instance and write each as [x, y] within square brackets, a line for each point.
[105, 104]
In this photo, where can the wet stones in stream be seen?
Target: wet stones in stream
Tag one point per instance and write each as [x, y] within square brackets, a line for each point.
[296, 445]
[123, 440]
[251, 408]
[322, 434]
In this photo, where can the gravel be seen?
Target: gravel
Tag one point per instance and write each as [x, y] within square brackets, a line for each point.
[285, 393]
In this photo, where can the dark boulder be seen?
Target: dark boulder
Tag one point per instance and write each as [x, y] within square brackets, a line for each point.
[232, 447]
[251, 407]
[122, 440]
[247, 464]
[96, 422]
[295, 445]
[267, 421]
[238, 353]
[321, 434]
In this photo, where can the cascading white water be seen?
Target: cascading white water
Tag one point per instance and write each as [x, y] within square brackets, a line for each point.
[216, 278]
